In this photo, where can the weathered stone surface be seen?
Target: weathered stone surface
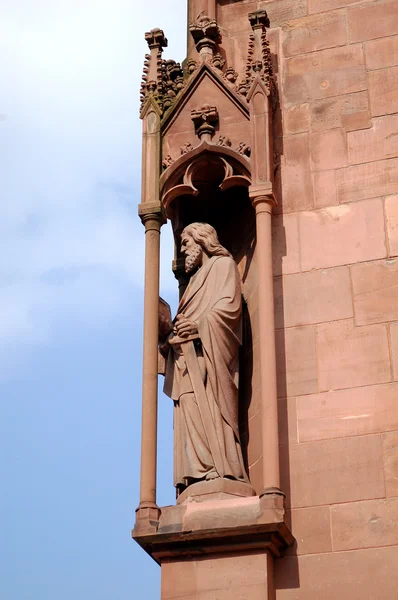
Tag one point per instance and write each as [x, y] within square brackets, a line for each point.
[391, 209]
[332, 471]
[328, 149]
[287, 421]
[390, 458]
[324, 185]
[376, 143]
[368, 524]
[350, 111]
[296, 119]
[350, 356]
[372, 20]
[383, 91]
[355, 575]
[375, 291]
[311, 528]
[340, 235]
[346, 413]
[394, 349]
[285, 244]
[283, 10]
[315, 6]
[328, 73]
[313, 297]
[382, 53]
[296, 361]
[367, 181]
[296, 175]
[213, 577]
[314, 33]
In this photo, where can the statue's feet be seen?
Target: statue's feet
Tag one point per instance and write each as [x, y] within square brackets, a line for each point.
[212, 475]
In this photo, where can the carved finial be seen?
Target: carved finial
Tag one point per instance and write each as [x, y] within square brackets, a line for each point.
[205, 120]
[206, 35]
[259, 19]
[164, 79]
[156, 38]
[258, 62]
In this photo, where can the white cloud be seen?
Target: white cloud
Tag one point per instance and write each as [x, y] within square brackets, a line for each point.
[71, 242]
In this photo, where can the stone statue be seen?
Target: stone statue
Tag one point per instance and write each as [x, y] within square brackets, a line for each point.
[201, 374]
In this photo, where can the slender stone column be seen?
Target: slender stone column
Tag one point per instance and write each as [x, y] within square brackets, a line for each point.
[152, 218]
[263, 204]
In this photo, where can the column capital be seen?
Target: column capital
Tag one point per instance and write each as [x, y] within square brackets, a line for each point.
[262, 197]
[152, 215]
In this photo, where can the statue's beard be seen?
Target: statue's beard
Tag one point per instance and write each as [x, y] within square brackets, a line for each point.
[192, 258]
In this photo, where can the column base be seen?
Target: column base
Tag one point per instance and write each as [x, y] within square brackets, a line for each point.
[146, 519]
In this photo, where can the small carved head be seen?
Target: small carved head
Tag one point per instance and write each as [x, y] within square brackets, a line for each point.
[199, 238]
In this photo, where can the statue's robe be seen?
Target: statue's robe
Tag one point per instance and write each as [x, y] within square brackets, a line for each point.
[213, 301]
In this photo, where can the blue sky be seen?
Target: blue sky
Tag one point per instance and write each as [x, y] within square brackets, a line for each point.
[71, 278]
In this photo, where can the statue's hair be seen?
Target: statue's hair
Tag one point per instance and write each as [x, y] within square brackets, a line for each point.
[206, 236]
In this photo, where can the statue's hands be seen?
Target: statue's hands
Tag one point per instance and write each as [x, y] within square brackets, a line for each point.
[184, 327]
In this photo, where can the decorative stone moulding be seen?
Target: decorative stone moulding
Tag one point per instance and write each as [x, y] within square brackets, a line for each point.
[164, 80]
[180, 176]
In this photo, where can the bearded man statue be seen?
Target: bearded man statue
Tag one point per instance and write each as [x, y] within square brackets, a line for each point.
[202, 363]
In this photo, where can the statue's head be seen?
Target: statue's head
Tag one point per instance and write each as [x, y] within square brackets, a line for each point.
[199, 238]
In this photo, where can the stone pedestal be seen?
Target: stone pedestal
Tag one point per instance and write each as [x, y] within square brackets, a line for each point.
[211, 548]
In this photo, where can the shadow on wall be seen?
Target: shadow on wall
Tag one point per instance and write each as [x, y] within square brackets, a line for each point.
[286, 575]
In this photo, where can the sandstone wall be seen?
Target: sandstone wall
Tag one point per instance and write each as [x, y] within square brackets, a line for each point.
[336, 291]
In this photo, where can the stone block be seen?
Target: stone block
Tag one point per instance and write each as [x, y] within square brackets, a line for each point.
[327, 73]
[394, 349]
[370, 180]
[382, 53]
[284, 10]
[332, 471]
[287, 421]
[285, 244]
[324, 185]
[328, 149]
[376, 143]
[296, 175]
[391, 210]
[311, 528]
[296, 361]
[383, 91]
[340, 235]
[368, 524]
[350, 112]
[313, 33]
[347, 413]
[369, 574]
[234, 16]
[315, 6]
[375, 291]
[313, 297]
[390, 459]
[215, 577]
[296, 119]
[350, 356]
[372, 20]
